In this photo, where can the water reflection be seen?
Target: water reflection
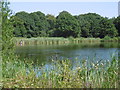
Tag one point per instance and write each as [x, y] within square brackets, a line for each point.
[45, 54]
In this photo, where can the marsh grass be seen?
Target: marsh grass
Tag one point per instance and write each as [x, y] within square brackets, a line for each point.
[62, 41]
[20, 74]
[109, 39]
[54, 40]
[42, 41]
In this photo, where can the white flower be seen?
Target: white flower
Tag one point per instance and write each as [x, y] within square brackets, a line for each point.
[93, 64]
[102, 64]
[78, 67]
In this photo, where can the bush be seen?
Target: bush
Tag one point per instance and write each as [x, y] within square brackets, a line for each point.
[106, 38]
[71, 38]
[115, 39]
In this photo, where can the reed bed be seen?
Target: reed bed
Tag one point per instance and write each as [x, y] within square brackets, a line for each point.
[54, 41]
[109, 39]
[41, 41]
[61, 74]
[61, 40]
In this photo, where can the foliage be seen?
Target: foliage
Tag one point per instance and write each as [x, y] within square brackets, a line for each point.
[19, 30]
[7, 31]
[93, 25]
[36, 24]
[41, 24]
[22, 74]
[7, 39]
[66, 25]
[109, 39]
[117, 24]
[61, 74]
[29, 25]
[52, 21]
[107, 28]
[89, 24]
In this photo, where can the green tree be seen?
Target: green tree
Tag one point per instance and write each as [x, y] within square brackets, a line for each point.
[7, 41]
[117, 24]
[26, 21]
[85, 32]
[35, 27]
[40, 23]
[30, 25]
[66, 25]
[89, 24]
[19, 28]
[52, 21]
[107, 28]
[7, 31]
[84, 25]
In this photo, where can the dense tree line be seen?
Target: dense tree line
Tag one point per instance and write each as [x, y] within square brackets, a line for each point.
[37, 24]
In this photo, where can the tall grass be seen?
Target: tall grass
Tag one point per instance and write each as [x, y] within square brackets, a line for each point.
[61, 74]
[61, 40]
[109, 39]
[54, 40]
[41, 41]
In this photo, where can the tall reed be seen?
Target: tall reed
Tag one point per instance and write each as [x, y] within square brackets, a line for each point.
[54, 40]
[61, 74]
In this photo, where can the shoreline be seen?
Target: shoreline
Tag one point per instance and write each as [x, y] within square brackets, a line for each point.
[60, 40]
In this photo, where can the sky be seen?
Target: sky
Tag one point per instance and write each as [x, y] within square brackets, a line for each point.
[105, 9]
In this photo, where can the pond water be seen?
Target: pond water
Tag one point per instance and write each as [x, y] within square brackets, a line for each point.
[45, 53]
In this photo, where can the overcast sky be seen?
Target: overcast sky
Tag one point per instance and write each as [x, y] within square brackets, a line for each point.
[106, 9]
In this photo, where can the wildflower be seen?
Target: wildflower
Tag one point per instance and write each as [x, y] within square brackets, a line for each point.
[93, 64]
[97, 61]
[66, 65]
[102, 64]
[78, 67]
[32, 84]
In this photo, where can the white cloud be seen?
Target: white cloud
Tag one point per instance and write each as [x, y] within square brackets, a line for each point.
[64, 0]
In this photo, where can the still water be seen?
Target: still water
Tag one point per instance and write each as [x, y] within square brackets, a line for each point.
[45, 53]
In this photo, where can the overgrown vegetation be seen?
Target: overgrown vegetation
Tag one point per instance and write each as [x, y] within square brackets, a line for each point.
[61, 41]
[7, 37]
[54, 40]
[62, 74]
[109, 39]
[22, 74]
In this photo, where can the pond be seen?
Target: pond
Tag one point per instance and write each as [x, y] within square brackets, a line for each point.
[46, 53]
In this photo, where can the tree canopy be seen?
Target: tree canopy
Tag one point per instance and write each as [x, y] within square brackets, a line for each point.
[37, 24]
[117, 24]
[7, 31]
[66, 25]
[30, 25]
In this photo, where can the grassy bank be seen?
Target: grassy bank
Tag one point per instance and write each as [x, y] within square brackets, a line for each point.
[61, 41]
[20, 74]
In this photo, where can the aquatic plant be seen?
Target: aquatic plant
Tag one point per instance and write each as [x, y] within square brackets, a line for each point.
[61, 75]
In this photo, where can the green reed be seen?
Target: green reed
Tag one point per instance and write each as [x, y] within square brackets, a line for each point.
[54, 40]
[62, 74]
